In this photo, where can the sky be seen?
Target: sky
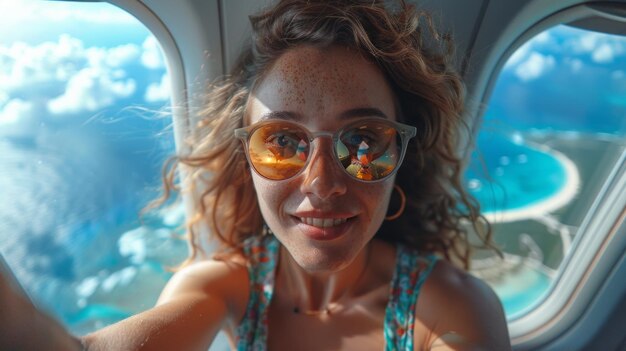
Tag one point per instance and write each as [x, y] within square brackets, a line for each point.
[77, 61]
[564, 79]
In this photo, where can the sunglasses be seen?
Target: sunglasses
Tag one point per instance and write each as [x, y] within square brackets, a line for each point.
[368, 150]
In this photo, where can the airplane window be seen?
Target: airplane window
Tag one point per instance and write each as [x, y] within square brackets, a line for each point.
[81, 147]
[553, 131]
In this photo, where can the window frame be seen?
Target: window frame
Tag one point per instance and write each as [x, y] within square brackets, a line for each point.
[582, 292]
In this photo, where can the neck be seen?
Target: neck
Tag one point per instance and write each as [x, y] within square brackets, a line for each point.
[321, 293]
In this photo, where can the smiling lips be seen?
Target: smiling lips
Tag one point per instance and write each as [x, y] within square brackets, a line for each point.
[323, 222]
[324, 228]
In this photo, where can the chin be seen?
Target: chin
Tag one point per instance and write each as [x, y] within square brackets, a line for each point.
[324, 259]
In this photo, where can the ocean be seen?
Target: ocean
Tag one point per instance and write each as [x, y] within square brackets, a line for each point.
[508, 173]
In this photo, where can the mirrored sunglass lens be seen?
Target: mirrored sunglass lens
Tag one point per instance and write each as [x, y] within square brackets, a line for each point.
[278, 150]
[369, 151]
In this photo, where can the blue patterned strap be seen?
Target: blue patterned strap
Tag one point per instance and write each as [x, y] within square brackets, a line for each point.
[262, 253]
[412, 269]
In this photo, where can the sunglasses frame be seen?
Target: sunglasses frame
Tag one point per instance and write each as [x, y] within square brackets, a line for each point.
[405, 131]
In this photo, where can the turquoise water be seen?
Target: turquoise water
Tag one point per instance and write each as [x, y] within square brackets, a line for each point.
[520, 290]
[506, 173]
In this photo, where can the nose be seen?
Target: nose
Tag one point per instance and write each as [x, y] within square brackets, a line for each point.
[322, 177]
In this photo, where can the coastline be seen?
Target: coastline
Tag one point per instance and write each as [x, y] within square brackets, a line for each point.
[565, 195]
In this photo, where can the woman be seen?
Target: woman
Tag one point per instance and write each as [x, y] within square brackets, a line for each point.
[326, 242]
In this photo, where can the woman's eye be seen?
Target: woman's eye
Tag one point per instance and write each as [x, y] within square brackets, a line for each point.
[281, 140]
[282, 145]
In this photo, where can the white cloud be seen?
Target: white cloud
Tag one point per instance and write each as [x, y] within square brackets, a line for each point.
[4, 97]
[115, 57]
[575, 64]
[82, 79]
[91, 89]
[152, 56]
[588, 42]
[518, 56]
[28, 67]
[602, 48]
[118, 74]
[159, 91]
[535, 66]
[15, 111]
[67, 47]
[542, 38]
[603, 54]
[122, 55]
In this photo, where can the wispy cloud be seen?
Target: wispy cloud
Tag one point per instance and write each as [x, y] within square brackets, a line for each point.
[602, 48]
[91, 89]
[535, 66]
[15, 110]
[157, 92]
[151, 56]
[564, 47]
[603, 54]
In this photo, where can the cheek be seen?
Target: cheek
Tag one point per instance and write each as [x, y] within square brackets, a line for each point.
[272, 196]
[378, 201]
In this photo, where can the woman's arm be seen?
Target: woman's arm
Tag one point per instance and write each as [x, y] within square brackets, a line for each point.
[23, 327]
[461, 313]
[187, 322]
[192, 308]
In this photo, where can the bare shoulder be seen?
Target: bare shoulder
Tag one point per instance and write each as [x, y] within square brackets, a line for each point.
[226, 280]
[461, 312]
[448, 281]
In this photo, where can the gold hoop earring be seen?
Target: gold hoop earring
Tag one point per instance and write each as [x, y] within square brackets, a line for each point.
[402, 204]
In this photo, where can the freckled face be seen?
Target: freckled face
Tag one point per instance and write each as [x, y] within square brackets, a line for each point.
[318, 86]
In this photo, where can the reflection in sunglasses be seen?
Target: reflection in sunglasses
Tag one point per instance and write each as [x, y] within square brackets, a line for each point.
[367, 150]
[300, 152]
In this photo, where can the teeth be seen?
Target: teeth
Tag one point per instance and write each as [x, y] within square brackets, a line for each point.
[323, 222]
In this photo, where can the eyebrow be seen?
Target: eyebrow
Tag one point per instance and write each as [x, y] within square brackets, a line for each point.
[348, 114]
[288, 115]
[363, 112]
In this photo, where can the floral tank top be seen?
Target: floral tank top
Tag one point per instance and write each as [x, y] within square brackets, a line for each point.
[407, 280]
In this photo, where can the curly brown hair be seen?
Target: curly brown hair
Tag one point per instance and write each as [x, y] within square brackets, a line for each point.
[416, 60]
